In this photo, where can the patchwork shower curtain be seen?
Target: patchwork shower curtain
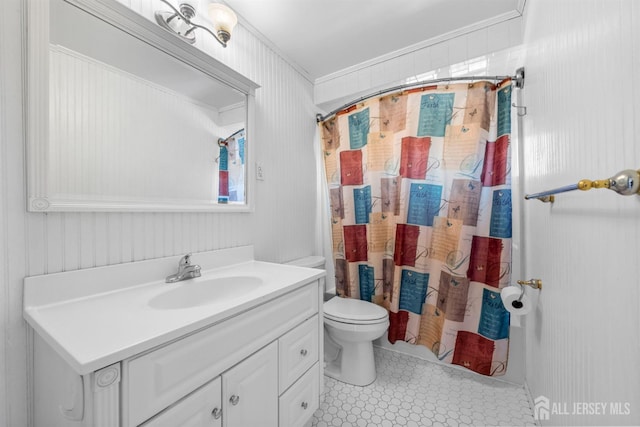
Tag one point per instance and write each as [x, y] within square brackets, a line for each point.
[231, 168]
[420, 196]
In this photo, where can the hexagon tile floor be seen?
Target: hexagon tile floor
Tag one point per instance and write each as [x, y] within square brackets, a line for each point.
[413, 392]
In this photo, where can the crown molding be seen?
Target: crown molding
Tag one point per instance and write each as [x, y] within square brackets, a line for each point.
[424, 44]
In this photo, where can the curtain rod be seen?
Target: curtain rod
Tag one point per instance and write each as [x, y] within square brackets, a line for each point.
[518, 79]
[222, 142]
[234, 134]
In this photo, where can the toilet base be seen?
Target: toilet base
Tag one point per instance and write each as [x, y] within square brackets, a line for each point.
[355, 365]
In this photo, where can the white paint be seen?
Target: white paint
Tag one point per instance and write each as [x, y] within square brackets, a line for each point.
[106, 123]
[582, 96]
[485, 42]
[38, 243]
[13, 355]
[157, 379]
[312, 34]
[121, 296]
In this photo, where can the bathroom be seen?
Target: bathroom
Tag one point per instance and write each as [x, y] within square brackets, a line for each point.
[581, 343]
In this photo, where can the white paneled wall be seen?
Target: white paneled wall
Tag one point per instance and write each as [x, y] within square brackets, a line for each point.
[583, 98]
[341, 87]
[13, 265]
[126, 137]
[281, 228]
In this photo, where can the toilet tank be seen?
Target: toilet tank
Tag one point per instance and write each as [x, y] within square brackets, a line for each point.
[314, 261]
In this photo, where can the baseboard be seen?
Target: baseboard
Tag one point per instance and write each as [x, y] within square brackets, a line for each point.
[527, 392]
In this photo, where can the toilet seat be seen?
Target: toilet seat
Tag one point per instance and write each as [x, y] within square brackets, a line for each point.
[353, 311]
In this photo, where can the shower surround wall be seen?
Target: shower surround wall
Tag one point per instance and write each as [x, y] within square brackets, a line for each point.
[38, 243]
[583, 100]
[396, 68]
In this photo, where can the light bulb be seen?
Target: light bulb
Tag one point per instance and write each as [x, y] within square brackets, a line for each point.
[224, 19]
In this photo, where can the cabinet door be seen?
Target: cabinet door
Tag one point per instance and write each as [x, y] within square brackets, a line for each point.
[202, 408]
[250, 390]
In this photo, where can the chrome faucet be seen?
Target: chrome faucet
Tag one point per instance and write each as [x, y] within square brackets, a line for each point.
[186, 270]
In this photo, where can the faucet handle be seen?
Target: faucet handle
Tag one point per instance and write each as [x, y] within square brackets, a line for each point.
[185, 260]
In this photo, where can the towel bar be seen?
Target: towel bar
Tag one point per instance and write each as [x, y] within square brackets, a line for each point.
[626, 183]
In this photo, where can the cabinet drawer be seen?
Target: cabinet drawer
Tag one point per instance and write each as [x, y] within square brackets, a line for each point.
[298, 404]
[155, 380]
[202, 408]
[298, 351]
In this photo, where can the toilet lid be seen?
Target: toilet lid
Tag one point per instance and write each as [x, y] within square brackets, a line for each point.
[348, 310]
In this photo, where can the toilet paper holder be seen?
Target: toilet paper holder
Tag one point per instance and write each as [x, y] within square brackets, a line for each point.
[534, 283]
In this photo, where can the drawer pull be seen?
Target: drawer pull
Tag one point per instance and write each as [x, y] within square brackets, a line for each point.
[217, 413]
[234, 399]
[304, 405]
[303, 352]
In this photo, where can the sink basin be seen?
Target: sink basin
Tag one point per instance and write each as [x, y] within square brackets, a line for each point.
[203, 292]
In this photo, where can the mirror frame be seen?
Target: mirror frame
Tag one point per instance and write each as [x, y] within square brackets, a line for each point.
[37, 96]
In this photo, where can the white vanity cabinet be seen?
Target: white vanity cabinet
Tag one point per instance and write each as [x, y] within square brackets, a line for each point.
[106, 356]
[160, 378]
[260, 367]
[246, 395]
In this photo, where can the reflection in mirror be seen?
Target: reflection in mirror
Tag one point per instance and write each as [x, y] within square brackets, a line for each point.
[117, 137]
[231, 167]
[133, 128]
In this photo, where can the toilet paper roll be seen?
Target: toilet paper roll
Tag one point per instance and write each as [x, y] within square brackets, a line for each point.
[510, 296]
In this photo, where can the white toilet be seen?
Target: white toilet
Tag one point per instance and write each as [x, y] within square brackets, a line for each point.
[350, 327]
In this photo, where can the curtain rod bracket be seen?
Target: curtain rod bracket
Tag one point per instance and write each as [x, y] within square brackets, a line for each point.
[519, 79]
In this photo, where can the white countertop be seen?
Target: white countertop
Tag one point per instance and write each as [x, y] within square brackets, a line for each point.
[94, 330]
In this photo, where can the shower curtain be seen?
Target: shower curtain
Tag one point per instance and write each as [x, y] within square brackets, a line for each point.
[420, 196]
[231, 168]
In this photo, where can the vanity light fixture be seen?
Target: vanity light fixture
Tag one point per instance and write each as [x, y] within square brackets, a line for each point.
[179, 21]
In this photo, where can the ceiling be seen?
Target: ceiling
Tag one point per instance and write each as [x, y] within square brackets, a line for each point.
[323, 37]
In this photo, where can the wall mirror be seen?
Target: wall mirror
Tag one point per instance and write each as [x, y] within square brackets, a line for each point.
[124, 116]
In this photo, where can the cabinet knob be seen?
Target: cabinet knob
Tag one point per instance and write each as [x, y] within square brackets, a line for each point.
[217, 413]
[234, 399]
[303, 352]
[304, 405]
